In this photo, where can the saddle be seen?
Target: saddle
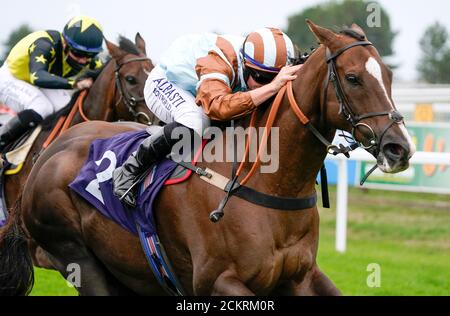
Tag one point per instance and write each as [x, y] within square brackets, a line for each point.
[13, 160]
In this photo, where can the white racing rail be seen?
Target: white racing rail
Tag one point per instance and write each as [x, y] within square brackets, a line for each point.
[342, 185]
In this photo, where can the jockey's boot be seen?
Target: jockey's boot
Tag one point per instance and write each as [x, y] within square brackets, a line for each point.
[151, 150]
[17, 126]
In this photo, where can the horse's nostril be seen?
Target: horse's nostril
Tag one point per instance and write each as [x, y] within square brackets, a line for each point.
[394, 151]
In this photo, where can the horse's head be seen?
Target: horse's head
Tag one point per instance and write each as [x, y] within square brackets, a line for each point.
[362, 84]
[131, 72]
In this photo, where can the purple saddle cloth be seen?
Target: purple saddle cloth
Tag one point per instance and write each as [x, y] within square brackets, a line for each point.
[94, 182]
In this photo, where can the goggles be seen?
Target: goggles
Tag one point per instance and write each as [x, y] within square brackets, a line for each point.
[81, 54]
[261, 77]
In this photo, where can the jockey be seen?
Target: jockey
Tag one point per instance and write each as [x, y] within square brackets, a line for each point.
[203, 77]
[42, 71]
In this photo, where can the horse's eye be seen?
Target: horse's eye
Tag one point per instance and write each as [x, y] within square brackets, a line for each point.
[352, 79]
[130, 79]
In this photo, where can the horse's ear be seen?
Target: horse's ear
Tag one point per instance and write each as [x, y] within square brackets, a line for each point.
[114, 50]
[358, 29]
[140, 43]
[323, 35]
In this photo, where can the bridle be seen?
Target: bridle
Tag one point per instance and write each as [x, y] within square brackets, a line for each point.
[129, 100]
[235, 187]
[64, 121]
[347, 110]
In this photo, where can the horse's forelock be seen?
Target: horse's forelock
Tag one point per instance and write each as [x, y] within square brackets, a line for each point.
[128, 46]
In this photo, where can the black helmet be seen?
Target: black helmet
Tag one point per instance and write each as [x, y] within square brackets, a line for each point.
[84, 35]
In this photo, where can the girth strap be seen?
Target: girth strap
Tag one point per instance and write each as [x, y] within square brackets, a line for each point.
[251, 195]
[275, 202]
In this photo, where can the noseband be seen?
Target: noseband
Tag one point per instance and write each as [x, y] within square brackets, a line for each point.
[348, 111]
[129, 100]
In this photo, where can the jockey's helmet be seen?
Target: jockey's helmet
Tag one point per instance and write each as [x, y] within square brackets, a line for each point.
[264, 52]
[84, 36]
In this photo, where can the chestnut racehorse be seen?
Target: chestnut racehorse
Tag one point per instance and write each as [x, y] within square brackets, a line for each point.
[253, 250]
[112, 97]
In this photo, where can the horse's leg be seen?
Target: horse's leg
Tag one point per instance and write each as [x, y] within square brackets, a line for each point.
[57, 231]
[322, 285]
[78, 265]
[228, 284]
[315, 283]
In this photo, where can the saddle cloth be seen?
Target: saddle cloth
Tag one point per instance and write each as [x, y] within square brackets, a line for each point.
[2, 218]
[94, 182]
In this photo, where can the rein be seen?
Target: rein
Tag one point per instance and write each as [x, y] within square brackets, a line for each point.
[248, 194]
[237, 188]
[65, 121]
[331, 149]
[129, 100]
[345, 109]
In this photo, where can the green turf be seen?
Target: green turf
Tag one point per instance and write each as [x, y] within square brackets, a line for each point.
[50, 283]
[406, 234]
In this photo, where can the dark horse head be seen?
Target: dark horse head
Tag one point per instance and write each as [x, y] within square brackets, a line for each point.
[131, 70]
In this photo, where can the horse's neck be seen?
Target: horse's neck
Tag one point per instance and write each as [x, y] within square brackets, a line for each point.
[301, 155]
[99, 101]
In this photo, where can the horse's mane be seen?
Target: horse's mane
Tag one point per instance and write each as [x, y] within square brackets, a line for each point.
[128, 46]
[302, 58]
[353, 33]
[48, 122]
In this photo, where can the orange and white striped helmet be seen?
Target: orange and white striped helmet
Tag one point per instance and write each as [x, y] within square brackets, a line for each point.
[267, 49]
